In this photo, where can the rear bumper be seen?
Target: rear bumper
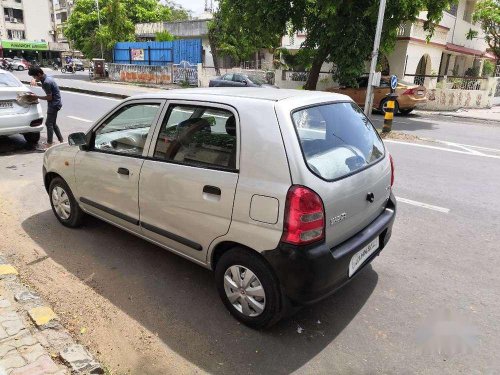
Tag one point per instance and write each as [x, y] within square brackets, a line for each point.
[309, 274]
[20, 123]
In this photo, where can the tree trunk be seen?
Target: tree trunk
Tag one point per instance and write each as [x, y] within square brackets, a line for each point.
[215, 55]
[312, 79]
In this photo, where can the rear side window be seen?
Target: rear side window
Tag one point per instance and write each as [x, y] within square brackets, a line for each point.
[198, 136]
[6, 80]
[337, 139]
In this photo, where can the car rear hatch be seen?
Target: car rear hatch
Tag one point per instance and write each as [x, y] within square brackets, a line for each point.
[347, 164]
[417, 92]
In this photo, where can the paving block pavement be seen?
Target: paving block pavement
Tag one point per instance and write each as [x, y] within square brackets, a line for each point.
[32, 341]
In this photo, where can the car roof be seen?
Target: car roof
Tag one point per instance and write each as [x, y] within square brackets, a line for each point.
[269, 94]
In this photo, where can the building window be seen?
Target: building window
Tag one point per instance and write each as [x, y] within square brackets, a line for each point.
[453, 10]
[13, 15]
[15, 34]
[469, 9]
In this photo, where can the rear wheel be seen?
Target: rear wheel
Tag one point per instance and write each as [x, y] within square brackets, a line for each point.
[32, 137]
[383, 106]
[20, 68]
[406, 111]
[248, 288]
[64, 204]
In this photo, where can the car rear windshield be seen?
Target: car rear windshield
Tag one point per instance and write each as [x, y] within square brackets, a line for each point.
[6, 80]
[337, 139]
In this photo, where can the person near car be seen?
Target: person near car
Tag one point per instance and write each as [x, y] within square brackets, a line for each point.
[54, 102]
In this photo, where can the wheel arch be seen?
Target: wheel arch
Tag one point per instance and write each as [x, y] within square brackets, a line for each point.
[224, 246]
[48, 179]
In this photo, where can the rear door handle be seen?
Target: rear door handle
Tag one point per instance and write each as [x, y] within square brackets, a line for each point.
[214, 190]
[124, 171]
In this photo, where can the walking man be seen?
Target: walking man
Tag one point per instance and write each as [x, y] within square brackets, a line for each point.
[54, 103]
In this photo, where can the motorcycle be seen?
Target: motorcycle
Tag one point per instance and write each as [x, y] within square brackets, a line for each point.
[68, 69]
[5, 65]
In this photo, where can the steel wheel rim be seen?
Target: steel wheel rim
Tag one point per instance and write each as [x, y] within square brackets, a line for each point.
[244, 291]
[61, 203]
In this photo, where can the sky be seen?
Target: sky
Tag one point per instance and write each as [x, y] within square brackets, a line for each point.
[197, 6]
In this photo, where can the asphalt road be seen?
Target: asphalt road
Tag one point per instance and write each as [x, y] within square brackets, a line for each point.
[428, 304]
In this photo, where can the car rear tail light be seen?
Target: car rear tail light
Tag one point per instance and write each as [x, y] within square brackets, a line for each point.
[37, 122]
[392, 169]
[409, 92]
[304, 217]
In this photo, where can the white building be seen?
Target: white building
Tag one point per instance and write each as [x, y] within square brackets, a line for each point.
[27, 29]
[447, 53]
[62, 10]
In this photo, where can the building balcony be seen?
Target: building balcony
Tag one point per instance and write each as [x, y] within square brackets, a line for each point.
[415, 32]
[14, 4]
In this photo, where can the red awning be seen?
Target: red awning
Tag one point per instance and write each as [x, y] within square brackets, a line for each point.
[464, 50]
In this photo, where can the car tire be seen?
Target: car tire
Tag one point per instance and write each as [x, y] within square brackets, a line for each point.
[406, 111]
[64, 204]
[234, 265]
[32, 138]
[383, 103]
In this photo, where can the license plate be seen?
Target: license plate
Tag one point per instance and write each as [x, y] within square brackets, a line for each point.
[359, 258]
[420, 92]
[6, 105]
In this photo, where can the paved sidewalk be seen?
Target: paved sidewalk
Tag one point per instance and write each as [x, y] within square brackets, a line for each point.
[32, 341]
[486, 114]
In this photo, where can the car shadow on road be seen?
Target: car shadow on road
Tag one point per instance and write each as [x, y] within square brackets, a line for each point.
[177, 300]
[15, 145]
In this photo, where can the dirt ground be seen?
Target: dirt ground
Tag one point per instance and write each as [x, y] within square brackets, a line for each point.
[120, 342]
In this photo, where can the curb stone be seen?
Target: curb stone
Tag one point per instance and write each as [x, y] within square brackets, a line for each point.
[88, 92]
[32, 341]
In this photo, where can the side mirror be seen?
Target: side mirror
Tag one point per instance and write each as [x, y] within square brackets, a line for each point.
[77, 139]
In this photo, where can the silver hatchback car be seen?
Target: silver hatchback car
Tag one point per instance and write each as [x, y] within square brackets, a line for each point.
[286, 195]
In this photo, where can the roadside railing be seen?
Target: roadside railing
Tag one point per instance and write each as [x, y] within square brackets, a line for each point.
[449, 82]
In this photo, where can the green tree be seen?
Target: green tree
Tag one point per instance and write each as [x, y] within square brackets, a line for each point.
[164, 36]
[338, 31]
[487, 12]
[118, 18]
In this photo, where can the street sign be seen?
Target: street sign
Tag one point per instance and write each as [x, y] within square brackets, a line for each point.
[394, 82]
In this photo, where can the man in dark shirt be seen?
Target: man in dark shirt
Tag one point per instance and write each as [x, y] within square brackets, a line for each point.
[54, 103]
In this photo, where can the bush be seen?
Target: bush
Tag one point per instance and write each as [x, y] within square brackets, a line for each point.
[488, 68]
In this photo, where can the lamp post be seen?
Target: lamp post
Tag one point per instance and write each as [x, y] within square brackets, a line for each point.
[99, 21]
[376, 46]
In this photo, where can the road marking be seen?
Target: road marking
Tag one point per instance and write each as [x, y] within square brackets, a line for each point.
[79, 119]
[423, 205]
[92, 96]
[475, 153]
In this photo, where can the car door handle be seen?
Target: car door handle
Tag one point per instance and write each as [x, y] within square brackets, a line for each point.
[214, 190]
[124, 171]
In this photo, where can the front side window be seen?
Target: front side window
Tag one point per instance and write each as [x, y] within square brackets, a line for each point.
[126, 131]
[337, 139]
[198, 136]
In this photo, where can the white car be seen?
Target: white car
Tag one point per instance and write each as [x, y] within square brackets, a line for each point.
[18, 116]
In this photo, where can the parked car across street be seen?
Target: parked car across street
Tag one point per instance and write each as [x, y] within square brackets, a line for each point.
[239, 80]
[409, 95]
[285, 194]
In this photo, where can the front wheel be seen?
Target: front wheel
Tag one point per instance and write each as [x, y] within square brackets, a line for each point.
[63, 70]
[249, 289]
[20, 68]
[64, 204]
